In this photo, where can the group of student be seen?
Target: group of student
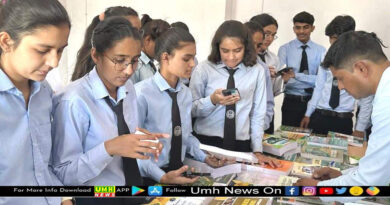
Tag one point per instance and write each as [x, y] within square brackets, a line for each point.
[86, 133]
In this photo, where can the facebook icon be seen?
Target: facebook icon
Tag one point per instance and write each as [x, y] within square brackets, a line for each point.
[292, 191]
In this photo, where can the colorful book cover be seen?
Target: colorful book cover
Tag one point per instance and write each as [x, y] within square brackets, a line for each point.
[286, 181]
[304, 170]
[323, 153]
[332, 142]
[224, 180]
[352, 140]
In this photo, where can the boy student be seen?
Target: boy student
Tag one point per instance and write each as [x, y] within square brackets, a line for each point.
[330, 109]
[304, 56]
[357, 60]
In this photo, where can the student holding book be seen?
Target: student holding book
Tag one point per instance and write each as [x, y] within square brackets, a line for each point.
[33, 34]
[232, 120]
[358, 62]
[95, 117]
[84, 63]
[175, 51]
[151, 30]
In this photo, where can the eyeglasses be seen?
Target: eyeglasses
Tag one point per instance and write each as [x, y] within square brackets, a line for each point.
[123, 62]
[271, 35]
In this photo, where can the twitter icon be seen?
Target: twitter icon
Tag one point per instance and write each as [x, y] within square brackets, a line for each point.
[341, 190]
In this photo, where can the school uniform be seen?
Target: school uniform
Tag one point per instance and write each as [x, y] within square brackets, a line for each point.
[305, 60]
[331, 109]
[145, 69]
[271, 59]
[247, 115]
[26, 140]
[373, 167]
[156, 114]
[269, 115]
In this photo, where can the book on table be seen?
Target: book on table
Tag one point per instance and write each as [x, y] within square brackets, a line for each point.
[293, 133]
[322, 153]
[352, 140]
[332, 142]
[277, 145]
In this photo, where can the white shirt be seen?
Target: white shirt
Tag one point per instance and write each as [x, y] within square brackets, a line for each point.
[250, 109]
[272, 59]
[373, 169]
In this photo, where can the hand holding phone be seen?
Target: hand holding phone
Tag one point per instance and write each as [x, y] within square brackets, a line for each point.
[283, 71]
[231, 91]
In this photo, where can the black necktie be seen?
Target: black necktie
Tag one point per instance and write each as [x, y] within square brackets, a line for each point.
[262, 56]
[176, 140]
[130, 166]
[304, 65]
[334, 94]
[229, 129]
[153, 66]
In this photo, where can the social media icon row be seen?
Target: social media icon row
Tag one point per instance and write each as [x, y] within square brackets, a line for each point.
[312, 191]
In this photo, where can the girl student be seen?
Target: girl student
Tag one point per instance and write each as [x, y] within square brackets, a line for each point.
[229, 94]
[33, 34]
[151, 29]
[83, 61]
[257, 35]
[175, 51]
[95, 117]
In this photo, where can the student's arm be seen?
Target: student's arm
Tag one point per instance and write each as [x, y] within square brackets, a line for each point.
[364, 117]
[193, 148]
[150, 169]
[317, 93]
[257, 113]
[270, 99]
[71, 164]
[201, 104]
[282, 55]
[308, 79]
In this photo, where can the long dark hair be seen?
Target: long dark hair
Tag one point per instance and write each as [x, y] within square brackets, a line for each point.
[171, 40]
[106, 34]
[234, 29]
[21, 17]
[153, 27]
[83, 61]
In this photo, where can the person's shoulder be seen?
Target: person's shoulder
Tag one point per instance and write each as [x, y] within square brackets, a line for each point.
[144, 86]
[75, 91]
[319, 46]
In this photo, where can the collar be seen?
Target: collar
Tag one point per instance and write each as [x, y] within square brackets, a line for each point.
[6, 84]
[99, 90]
[222, 66]
[163, 85]
[144, 58]
[298, 43]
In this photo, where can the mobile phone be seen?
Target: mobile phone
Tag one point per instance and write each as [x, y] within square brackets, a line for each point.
[284, 70]
[231, 91]
[195, 174]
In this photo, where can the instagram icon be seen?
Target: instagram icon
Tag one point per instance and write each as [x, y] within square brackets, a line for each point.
[309, 191]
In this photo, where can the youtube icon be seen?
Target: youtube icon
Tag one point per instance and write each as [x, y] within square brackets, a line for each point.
[326, 191]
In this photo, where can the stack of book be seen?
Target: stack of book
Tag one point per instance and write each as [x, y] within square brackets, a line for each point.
[322, 153]
[293, 133]
[331, 142]
[278, 146]
[352, 140]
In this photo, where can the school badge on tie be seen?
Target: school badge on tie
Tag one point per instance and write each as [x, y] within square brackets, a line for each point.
[230, 114]
[177, 131]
